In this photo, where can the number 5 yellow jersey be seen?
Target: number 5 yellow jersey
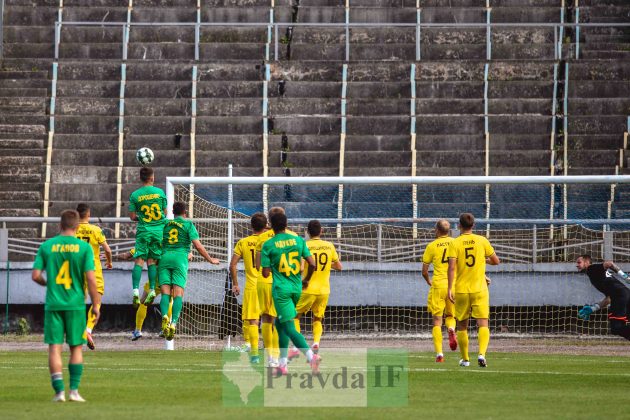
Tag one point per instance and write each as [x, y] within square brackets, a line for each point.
[93, 235]
[325, 255]
[471, 252]
[149, 204]
[435, 254]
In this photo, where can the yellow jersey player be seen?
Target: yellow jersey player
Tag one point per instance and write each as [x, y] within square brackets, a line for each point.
[246, 249]
[467, 258]
[263, 288]
[437, 301]
[315, 297]
[93, 235]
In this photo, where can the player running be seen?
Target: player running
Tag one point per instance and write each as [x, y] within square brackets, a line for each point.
[93, 235]
[282, 256]
[69, 263]
[147, 206]
[315, 297]
[438, 303]
[604, 277]
[178, 234]
[246, 249]
[467, 258]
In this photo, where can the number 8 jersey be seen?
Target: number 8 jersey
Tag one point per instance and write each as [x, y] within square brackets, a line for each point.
[149, 204]
[471, 252]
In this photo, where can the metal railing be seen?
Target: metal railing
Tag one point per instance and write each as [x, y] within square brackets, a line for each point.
[1, 29]
[558, 30]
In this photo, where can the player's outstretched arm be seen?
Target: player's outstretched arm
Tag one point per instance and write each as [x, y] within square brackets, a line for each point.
[587, 310]
[309, 271]
[425, 273]
[38, 278]
[452, 265]
[235, 287]
[95, 297]
[199, 247]
[336, 265]
[493, 260]
[108, 255]
[612, 266]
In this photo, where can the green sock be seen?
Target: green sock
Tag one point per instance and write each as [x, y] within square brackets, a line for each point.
[152, 276]
[283, 338]
[165, 301]
[57, 382]
[177, 308]
[136, 276]
[298, 339]
[76, 370]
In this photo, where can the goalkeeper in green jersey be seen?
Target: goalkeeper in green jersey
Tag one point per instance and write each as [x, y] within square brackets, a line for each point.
[147, 206]
[178, 234]
[67, 261]
[282, 255]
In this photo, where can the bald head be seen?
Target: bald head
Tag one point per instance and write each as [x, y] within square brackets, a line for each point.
[442, 227]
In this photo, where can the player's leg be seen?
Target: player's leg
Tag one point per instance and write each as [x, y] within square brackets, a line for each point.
[154, 255]
[91, 319]
[462, 314]
[449, 321]
[178, 281]
[435, 305]
[75, 326]
[480, 304]
[53, 336]
[141, 314]
[267, 317]
[152, 268]
[165, 277]
[618, 315]
[141, 254]
[318, 309]
[285, 302]
[251, 311]
[303, 306]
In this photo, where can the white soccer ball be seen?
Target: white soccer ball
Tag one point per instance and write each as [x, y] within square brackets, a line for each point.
[144, 156]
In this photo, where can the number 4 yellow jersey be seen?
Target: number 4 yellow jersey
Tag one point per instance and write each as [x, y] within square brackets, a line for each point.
[324, 254]
[435, 254]
[93, 235]
[471, 252]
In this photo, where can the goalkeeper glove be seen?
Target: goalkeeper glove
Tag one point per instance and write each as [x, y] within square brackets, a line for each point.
[587, 310]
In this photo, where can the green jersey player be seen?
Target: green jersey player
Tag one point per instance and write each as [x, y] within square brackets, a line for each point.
[282, 256]
[147, 206]
[67, 261]
[178, 235]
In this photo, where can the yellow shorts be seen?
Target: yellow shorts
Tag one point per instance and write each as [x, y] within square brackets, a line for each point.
[477, 303]
[251, 306]
[265, 301]
[315, 303]
[438, 302]
[157, 288]
[100, 283]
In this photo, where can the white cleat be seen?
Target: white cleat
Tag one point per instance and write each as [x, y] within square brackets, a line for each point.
[59, 397]
[75, 397]
[464, 363]
[481, 361]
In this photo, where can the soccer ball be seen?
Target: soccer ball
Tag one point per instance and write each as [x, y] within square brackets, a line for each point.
[144, 156]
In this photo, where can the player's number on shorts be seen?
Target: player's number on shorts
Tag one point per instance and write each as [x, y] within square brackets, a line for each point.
[63, 277]
[321, 260]
[173, 236]
[151, 213]
[469, 255]
[290, 266]
[444, 259]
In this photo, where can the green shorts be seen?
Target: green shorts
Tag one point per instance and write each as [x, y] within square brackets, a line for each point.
[173, 269]
[285, 301]
[149, 245]
[69, 323]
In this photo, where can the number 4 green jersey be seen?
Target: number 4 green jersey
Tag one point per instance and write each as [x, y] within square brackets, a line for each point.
[283, 254]
[178, 235]
[149, 204]
[66, 259]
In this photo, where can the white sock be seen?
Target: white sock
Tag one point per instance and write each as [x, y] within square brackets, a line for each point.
[283, 361]
[89, 330]
[309, 355]
[136, 292]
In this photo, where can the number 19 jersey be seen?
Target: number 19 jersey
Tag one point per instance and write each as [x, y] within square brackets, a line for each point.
[149, 204]
[471, 252]
[324, 254]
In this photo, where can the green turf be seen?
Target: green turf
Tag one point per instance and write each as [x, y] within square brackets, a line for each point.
[187, 384]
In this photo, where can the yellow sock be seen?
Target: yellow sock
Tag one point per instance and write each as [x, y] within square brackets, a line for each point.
[296, 321]
[170, 308]
[275, 349]
[253, 338]
[267, 335]
[484, 339]
[318, 330]
[462, 339]
[141, 314]
[450, 322]
[91, 321]
[246, 331]
[437, 339]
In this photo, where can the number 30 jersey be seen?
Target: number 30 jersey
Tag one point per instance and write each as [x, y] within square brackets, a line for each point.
[149, 204]
[324, 254]
[471, 252]
[178, 235]
[435, 254]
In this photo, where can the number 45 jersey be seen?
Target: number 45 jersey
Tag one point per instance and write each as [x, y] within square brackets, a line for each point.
[149, 204]
[283, 254]
[325, 255]
[471, 252]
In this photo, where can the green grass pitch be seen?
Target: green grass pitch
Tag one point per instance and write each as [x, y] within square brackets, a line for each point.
[187, 384]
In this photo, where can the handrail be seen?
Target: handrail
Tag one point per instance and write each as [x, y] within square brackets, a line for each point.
[360, 24]
[1, 28]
